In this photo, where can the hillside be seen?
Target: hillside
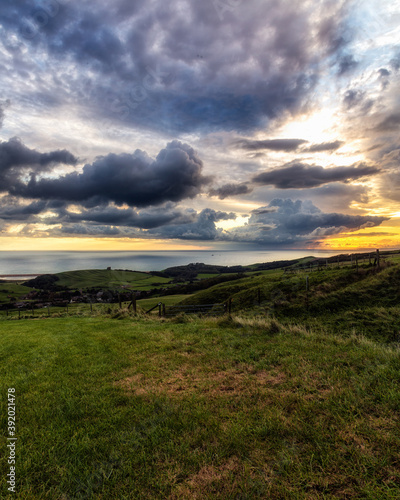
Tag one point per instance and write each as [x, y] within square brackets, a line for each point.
[109, 279]
[366, 299]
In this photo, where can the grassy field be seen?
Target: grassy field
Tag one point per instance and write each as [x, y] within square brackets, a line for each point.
[86, 309]
[109, 279]
[342, 297]
[205, 409]
[12, 289]
[168, 300]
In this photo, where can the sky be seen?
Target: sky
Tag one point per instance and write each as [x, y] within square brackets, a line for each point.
[220, 124]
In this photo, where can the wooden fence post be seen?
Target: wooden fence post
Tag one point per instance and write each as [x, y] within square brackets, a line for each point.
[307, 284]
[119, 301]
[134, 303]
[378, 257]
[19, 313]
[357, 263]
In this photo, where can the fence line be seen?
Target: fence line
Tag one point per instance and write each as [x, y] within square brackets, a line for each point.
[205, 309]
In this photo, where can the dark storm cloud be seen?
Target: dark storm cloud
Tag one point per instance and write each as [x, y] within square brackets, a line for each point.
[14, 154]
[230, 190]
[145, 219]
[84, 230]
[273, 144]
[12, 210]
[181, 66]
[324, 146]
[300, 176]
[185, 226]
[287, 222]
[134, 179]
[16, 160]
[149, 223]
[203, 228]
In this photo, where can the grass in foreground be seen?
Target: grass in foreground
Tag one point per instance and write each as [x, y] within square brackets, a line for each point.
[217, 409]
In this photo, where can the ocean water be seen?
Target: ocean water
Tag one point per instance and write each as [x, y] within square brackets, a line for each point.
[55, 262]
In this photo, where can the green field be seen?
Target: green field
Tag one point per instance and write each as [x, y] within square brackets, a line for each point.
[342, 297]
[101, 278]
[168, 300]
[11, 289]
[214, 409]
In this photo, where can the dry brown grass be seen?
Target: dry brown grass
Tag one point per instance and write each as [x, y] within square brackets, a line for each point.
[188, 380]
[212, 479]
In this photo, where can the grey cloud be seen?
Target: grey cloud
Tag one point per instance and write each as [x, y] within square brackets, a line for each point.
[230, 190]
[335, 196]
[144, 219]
[3, 106]
[12, 210]
[287, 222]
[16, 159]
[260, 211]
[384, 77]
[14, 153]
[151, 223]
[85, 230]
[198, 59]
[340, 196]
[395, 62]
[332, 34]
[353, 97]
[346, 64]
[203, 228]
[300, 176]
[272, 144]
[389, 124]
[134, 179]
[383, 72]
[324, 146]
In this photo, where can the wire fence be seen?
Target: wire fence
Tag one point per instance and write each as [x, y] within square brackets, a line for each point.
[203, 309]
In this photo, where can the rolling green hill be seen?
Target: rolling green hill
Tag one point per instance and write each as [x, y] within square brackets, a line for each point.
[340, 297]
[111, 279]
[11, 290]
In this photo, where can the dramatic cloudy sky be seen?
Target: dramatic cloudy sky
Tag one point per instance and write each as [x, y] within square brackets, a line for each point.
[159, 124]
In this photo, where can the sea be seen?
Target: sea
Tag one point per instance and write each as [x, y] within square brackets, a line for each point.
[29, 262]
